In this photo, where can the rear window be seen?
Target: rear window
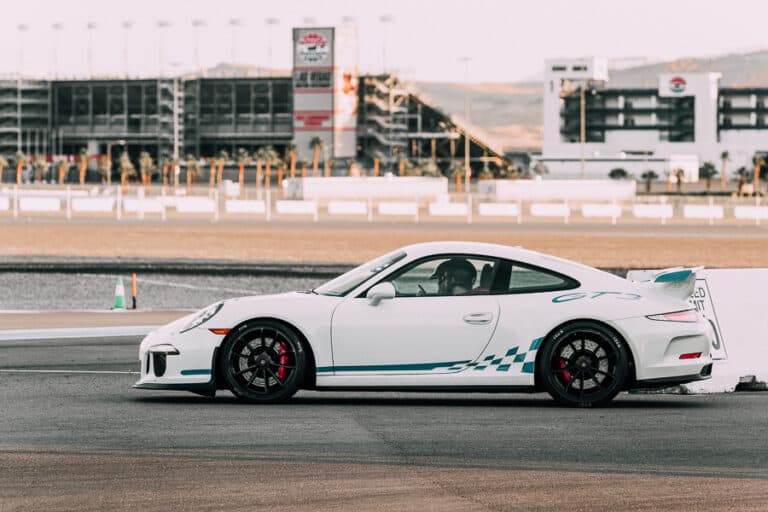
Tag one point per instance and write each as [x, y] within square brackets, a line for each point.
[528, 279]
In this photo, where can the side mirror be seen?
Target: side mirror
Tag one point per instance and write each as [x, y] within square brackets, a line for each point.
[380, 292]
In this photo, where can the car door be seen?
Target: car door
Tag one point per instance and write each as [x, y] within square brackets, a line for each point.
[423, 329]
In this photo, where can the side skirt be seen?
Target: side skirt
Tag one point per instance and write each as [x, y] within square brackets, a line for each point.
[434, 389]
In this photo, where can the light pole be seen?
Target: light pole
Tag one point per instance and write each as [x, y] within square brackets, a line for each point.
[271, 22]
[197, 24]
[56, 29]
[127, 25]
[467, 114]
[233, 24]
[161, 24]
[21, 28]
[384, 19]
[119, 142]
[582, 123]
[91, 26]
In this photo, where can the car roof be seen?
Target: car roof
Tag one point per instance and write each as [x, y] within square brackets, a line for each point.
[515, 253]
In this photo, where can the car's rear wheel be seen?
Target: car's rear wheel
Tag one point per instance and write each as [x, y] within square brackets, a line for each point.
[263, 361]
[584, 364]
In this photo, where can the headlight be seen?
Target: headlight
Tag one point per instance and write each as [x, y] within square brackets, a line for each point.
[203, 317]
[688, 315]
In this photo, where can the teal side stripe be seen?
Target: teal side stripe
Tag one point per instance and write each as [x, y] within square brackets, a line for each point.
[528, 367]
[519, 358]
[535, 344]
[680, 275]
[196, 372]
[511, 351]
[390, 367]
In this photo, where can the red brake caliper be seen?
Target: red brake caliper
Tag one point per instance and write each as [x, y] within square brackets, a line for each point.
[283, 359]
[566, 375]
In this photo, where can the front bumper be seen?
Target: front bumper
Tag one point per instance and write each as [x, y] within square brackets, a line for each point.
[173, 361]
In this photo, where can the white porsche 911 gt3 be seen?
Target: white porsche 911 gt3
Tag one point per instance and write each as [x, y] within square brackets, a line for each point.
[444, 316]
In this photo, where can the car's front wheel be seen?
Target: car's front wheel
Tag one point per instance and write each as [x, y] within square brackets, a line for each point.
[263, 361]
[584, 364]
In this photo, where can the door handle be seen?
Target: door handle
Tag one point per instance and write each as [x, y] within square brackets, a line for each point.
[478, 318]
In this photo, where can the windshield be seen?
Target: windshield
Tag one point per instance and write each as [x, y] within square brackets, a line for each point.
[347, 282]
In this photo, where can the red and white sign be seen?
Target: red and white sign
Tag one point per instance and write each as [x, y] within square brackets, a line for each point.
[312, 48]
[677, 84]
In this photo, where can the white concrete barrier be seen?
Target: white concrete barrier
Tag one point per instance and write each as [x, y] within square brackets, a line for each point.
[551, 210]
[361, 187]
[398, 208]
[5, 204]
[146, 205]
[653, 211]
[751, 212]
[93, 204]
[245, 206]
[347, 208]
[702, 211]
[441, 209]
[498, 210]
[728, 298]
[547, 190]
[296, 207]
[195, 205]
[39, 204]
[590, 210]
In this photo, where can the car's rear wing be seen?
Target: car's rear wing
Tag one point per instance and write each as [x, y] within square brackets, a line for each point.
[676, 282]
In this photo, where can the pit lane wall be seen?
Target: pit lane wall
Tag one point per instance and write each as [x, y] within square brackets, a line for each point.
[733, 300]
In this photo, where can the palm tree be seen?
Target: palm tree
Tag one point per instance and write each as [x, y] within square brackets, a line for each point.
[316, 145]
[679, 174]
[457, 172]
[304, 165]
[40, 167]
[212, 172]
[21, 161]
[166, 165]
[649, 176]
[62, 166]
[223, 158]
[330, 163]
[508, 171]
[260, 155]
[243, 159]
[708, 171]
[618, 174]
[3, 164]
[758, 161]
[378, 156]
[126, 168]
[193, 168]
[540, 169]
[402, 161]
[290, 152]
[724, 157]
[146, 166]
[270, 157]
[744, 175]
[485, 174]
[83, 157]
[104, 168]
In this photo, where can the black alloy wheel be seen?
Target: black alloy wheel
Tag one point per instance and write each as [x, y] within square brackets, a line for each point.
[584, 364]
[263, 361]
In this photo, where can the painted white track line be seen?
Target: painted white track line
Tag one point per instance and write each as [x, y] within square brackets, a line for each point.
[13, 370]
[76, 332]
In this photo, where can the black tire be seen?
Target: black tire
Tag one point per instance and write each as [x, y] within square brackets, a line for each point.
[263, 361]
[584, 364]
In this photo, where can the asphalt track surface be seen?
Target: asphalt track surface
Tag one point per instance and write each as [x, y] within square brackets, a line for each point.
[75, 436]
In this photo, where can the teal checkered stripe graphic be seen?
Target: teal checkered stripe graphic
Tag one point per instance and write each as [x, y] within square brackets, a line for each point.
[513, 361]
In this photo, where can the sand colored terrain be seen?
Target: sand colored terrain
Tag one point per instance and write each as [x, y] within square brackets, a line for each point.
[353, 242]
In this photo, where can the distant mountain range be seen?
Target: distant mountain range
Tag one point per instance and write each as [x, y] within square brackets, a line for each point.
[512, 112]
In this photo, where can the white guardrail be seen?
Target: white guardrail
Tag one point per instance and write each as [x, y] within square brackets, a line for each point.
[138, 205]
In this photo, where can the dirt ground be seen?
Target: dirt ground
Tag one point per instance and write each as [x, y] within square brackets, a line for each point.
[354, 242]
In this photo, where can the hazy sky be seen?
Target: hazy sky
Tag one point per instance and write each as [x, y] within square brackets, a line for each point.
[507, 40]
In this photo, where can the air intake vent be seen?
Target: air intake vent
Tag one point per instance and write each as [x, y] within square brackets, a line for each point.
[158, 364]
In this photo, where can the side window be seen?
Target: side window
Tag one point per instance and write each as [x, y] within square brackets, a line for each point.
[446, 275]
[526, 279]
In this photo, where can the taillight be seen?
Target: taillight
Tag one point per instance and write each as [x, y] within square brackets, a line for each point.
[689, 315]
[691, 355]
